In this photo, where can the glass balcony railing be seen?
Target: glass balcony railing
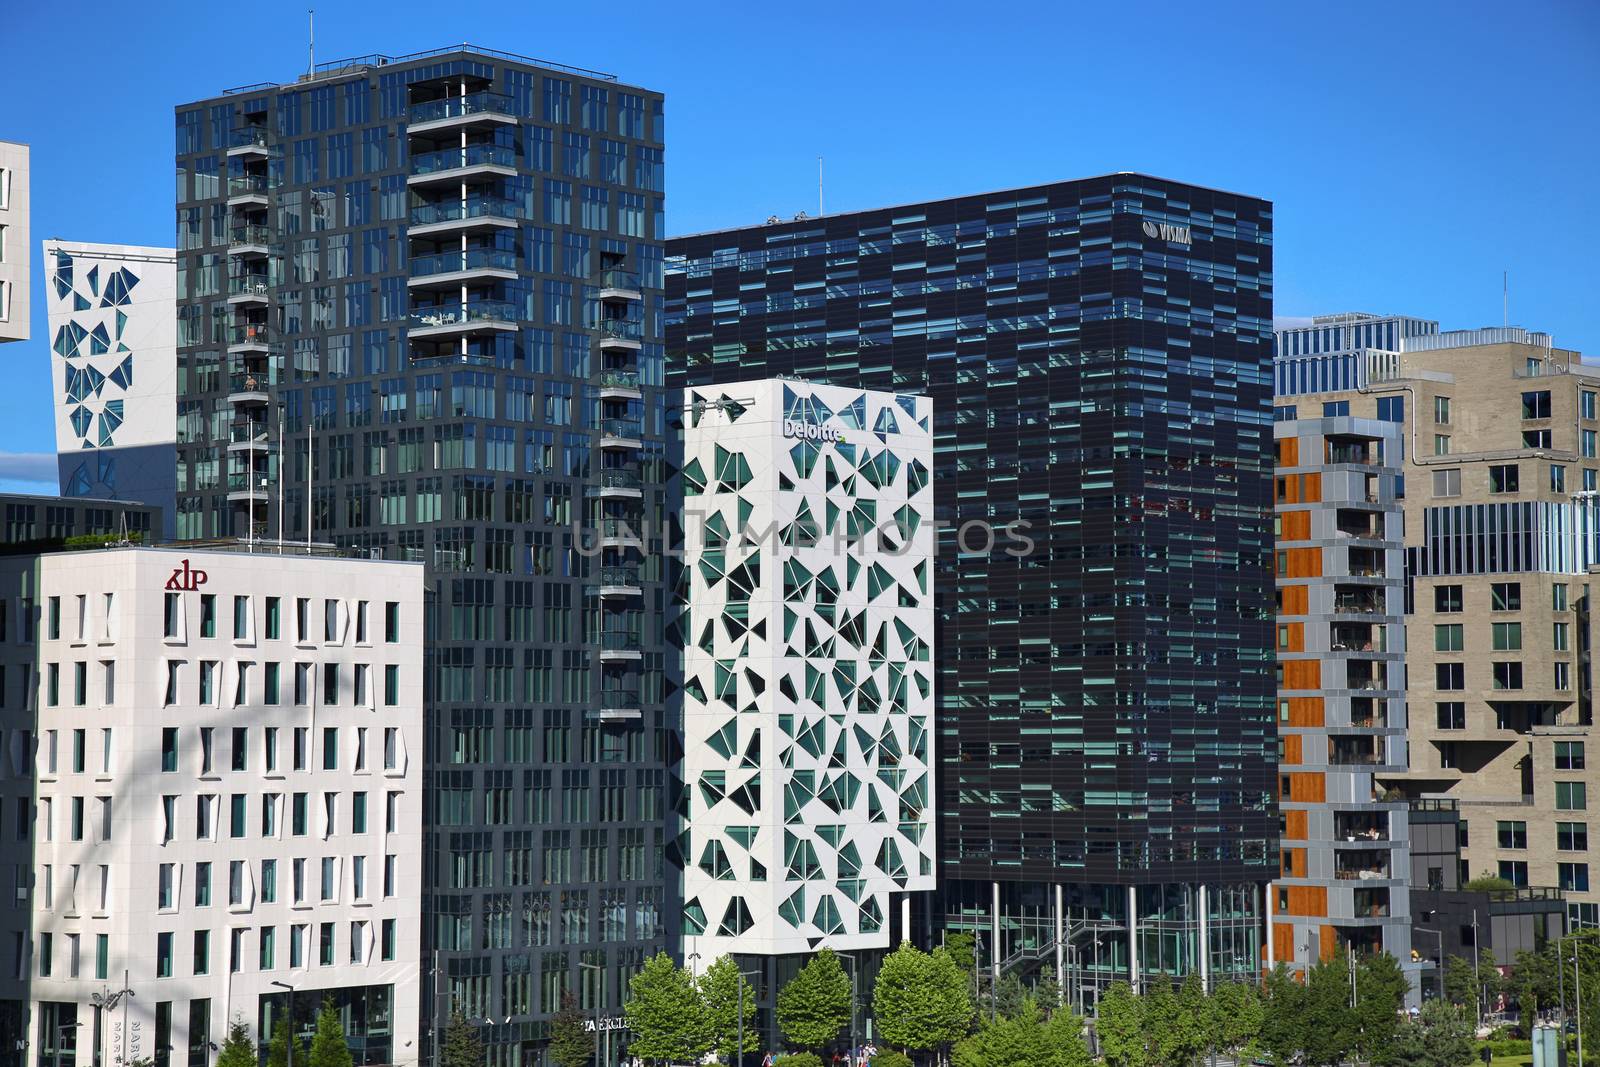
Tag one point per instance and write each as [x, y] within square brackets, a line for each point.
[619, 576]
[628, 428]
[623, 329]
[463, 314]
[251, 333]
[248, 137]
[620, 641]
[245, 184]
[476, 155]
[619, 279]
[477, 207]
[619, 698]
[472, 259]
[618, 528]
[241, 433]
[252, 235]
[619, 379]
[618, 480]
[246, 382]
[455, 106]
[249, 285]
[239, 481]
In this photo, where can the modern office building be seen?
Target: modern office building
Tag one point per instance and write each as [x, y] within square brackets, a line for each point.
[1340, 567]
[1502, 501]
[437, 277]
[33, 524]
[16, 294]
[806, 615]
[112, 314]
[1097, 356]
[228, 793]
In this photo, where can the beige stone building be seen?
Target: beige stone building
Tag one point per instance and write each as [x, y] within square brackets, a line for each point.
[1502, 530]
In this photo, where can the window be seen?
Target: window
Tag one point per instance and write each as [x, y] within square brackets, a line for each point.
[1505, 596]
[1441, 410]
[1569, 755]
[208, 615]
[1392, 408]
[1558, 596]
[330, 621]
[1449, 676]
[1447, 482]
[1573, 877]
[1333, 409]
[269, 814]
[274, 623]
[325, 945]
[330, 748]
[391, 685]
[268, 942]
[1586, 444]
[164, 955]
[302, 619]
[164, 887]
[1508, 676]
[1451, 715]
[1441, 444]
[1559, 636]
[1572, 796]
[1447, 598]
[1558, 478]
[1515, 872]
[361, 622]
[240, 748]
[1447, 637]
[241, 617]
[387, 942]
[235, 882]
[1572, 836]
[1511, 834]
[1536, 405]
[1536, 438]
[236, 815]
[169, 748]
[202, 952]
[1561, 675]
[328, 878]
[358, 813]
[1586, 404]
[391, 622]
[301, 742]
[269, 881]
[1591, 480]
[1503, 478]
[330, 683]
[299, 815]
[208, 678]
[269, 678]
[169, 617]
[269, 748]
[206, 735]
[1507, 636]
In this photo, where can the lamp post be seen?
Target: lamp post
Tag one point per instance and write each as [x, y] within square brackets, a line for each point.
[108, 1001]
[289, 1022]
[602, 1035]
[1438, 959]
[739, 1049]
[61, 1035]
[855, 967]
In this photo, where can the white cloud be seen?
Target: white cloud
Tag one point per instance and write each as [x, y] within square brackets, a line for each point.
[28, 467]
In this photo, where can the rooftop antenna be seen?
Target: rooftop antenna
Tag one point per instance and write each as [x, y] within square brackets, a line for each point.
[820, 210]
[1505, 298]
[311, 21]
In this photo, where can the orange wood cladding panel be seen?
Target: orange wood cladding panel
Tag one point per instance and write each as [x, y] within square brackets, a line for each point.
[1282, 941]
[1329, 944]
[1307, 788]
[1302, 674]
[1308, 900]
[1296, 526]
[1296, 827]
[1303, 562]
[1293, 637]
[1291, 757]
[1310, 488]
[1305, 711]
[1296, 600]
[1289, 452]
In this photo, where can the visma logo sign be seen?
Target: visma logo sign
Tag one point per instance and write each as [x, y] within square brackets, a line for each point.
[1166, 231]
[185, 578]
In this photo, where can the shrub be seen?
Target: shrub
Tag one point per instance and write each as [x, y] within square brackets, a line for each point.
[799, 1059]
[891, 1058]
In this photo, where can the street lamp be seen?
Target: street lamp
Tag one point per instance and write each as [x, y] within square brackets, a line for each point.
[61, 1036]
[289, 1021]
[108, 1001]
[603, 1035]
[1438, 959]
[739, 1048]
[855, 966]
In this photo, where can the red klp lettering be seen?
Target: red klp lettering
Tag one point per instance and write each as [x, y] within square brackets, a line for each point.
[185, 578]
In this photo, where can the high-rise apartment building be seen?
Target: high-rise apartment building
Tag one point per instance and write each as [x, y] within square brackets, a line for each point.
[112, 313]
[419, 317]
[1340, 567]
[1097, 356]
[16, 294]
[807, 617]
[228, 794]
[1502, 470]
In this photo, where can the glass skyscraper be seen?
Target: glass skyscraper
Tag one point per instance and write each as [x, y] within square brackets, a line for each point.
[1098, 353]
[419, 305]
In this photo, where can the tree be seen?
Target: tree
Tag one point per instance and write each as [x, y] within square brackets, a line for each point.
[962, 947]
[1282, 1022]
[1119, 1023]
[571, 1041]
[1009, 995]
[1065, 1031]
[1533, 983]
[278, 1047]
[666, 1013]
[724, 991]
[921, 999]
[1328, 1020]
[1488, 883]
[1460, 986]
[891, 1058]
[462, 1047]
[237, 1050]
[1048, 991]
[955, 1007]
[1440, 1036]
[1236, 1014]
[1381, 988]
[814, 1006]
[328, 1045]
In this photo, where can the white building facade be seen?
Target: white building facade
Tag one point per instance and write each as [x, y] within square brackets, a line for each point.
[228, 778]
[112, 314]
[16, 296]
[807, 625]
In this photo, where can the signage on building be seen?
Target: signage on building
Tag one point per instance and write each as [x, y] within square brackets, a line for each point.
[609, 1022]
[186, 578]
[1166, 231]
[810, 431]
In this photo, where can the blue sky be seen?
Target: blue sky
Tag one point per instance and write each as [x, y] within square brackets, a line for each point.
[1414, 150]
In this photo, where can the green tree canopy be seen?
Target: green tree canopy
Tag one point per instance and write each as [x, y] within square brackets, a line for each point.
[920, 999]
[278, 1046]
[462, 1046]
[571, 1041]
[1236, 1013]
[666, 1013]
[328, 1045]
[1120, 1025]
[1381, 988]
[814, 1006]
[722, 991]
[1025, 1039]
[237, 1049]
[1282, 1018]
[1440, 1036]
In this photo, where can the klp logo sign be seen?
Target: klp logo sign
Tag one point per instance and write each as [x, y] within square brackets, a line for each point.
[185, 579]
[1166, 231]
[810, 431]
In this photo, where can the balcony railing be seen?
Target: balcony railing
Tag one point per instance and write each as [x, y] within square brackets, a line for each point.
[245, 382]
[252, 235]
[619, 279]
[452, 107]
[619, 379]
[619, 641]
[619, 698]
[249, 285]
[460, 314]
[476, 207]
[619, 575]
[622, 329]
[239, 481]
[618, 528]
[251, 333]
[471, 259]
[245, 184]
[615, 479]
[627, 428]
[476, 155]
[250, 433]
[248, 137]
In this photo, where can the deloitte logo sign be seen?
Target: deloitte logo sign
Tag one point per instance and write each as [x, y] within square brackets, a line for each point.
[1166, 231]
[810, 431]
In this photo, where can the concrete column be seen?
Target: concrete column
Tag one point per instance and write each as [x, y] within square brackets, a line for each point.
[1061, 974]
[994, 947]
[1133, 938]
[1205, 946]
[1266, 911]
[905, 921]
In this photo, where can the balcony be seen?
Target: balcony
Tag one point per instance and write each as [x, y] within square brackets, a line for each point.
[251, 141]
[1364, 674]
[617, 484]
[252, 487]
[619, 705]
[621, 434]
[247, 389]
[1356, 600]
[619, 385]
[456, 320]
[250, 337]
[457, 216]
[252, 240]
[455, 112]
[619, 533]
[620, 285]
[1352, 827]
[619, 333]
[249, 289]
[1368, 714]
[1357, 637]
[478, 162]
[619, 581]
[1363, 865]
[1366, 525]
[1357, 451]
[252, 437]
[451, 270]
[248, 190]
[620, 646]
[1366, 563]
